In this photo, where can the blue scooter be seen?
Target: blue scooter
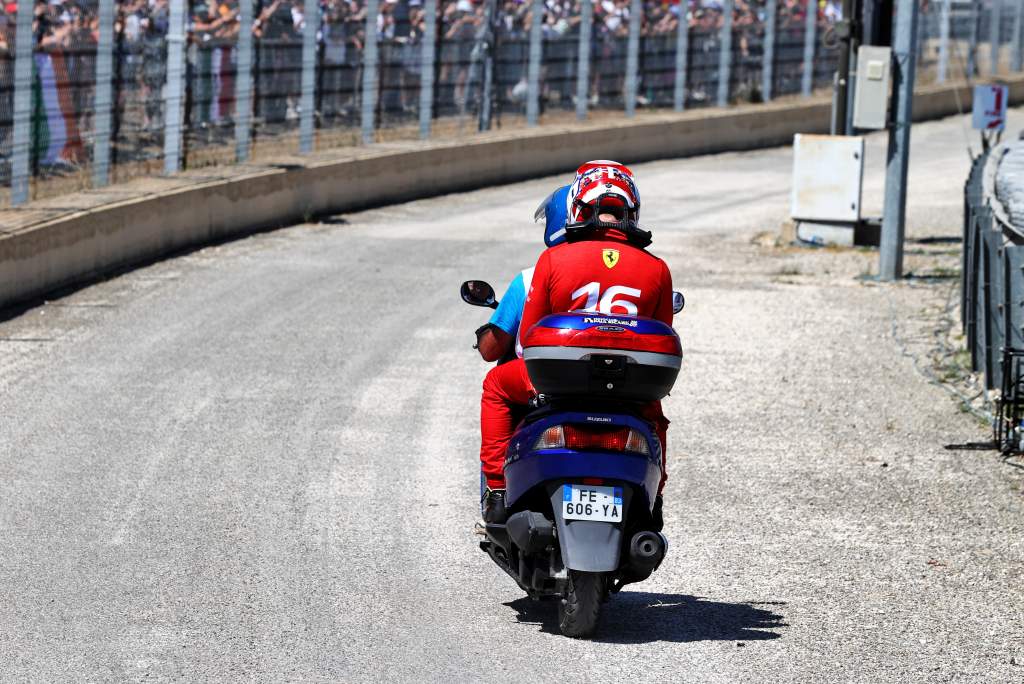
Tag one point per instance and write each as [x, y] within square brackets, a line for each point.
[583, 468]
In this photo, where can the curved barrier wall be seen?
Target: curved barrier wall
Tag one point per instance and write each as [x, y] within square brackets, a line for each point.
[71, 248]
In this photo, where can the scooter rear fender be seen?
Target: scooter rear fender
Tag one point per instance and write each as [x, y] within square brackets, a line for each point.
[589, 545]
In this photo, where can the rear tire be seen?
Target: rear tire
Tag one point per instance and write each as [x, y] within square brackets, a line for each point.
[578, 610]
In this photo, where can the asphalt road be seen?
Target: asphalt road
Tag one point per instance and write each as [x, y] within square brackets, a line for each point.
[258, 460]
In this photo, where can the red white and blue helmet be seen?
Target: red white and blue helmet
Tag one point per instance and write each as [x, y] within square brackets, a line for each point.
[603, 188]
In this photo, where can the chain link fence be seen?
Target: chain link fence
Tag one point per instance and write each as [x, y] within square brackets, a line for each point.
[168, 85]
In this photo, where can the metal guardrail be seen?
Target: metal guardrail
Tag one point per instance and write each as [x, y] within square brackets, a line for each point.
[992, 295]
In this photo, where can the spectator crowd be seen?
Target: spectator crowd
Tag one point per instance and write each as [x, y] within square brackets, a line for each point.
[66, 32]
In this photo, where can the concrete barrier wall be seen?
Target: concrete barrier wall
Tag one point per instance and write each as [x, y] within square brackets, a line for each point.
[81, 246]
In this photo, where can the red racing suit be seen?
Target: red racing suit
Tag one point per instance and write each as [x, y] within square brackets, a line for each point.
[605, 275]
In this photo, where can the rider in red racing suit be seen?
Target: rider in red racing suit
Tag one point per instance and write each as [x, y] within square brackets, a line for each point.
[603, 268]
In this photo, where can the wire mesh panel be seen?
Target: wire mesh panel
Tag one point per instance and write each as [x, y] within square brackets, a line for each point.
[658, 54]
[511, 58]
[929, 31]
[210, 93]
[140, 72]
[64, 69]
[787, 71]
[7, 37]
[826, 49]
[277, 74]
[747, 57]
[608, 58]
[705, 51]
[560, 41]
[399, 33]
[339, 66]
[457, 86]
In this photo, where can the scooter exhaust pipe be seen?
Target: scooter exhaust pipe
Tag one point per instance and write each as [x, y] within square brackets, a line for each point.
[646, 550]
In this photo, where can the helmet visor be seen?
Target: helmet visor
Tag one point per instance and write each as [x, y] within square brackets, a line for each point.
[542, 208]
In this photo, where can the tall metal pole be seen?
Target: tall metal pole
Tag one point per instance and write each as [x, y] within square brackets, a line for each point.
[810, 37]
[22, 134]
[682, 57]
[972, 39]
[631, 83]
[243, 81]
[311, 18]
[104, 94]
[583, 59]
[370, 75]
[485, 41]
[533, 68]
[427, 68]
[768, 63]
[995, 35]
[898, 160]
[174, 100]
[725, 54]
[846, 58]
[1015, 56]
[944, 19]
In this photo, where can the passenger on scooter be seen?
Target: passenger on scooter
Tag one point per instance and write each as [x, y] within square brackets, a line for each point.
[603, 267]
[496, 339]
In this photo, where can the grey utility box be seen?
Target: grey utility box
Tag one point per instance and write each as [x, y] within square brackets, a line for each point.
[871, 97]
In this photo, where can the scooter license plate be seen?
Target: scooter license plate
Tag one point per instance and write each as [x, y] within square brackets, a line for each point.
[589, 502]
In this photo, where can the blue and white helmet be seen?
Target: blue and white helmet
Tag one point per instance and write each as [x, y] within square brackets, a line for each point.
[554, 211]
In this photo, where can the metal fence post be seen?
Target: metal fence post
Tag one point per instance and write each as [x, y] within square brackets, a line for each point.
[810, 27]
[1015, 56]
[485, 43]
[583, 59]
[995, 35]
[898, 159]
[311, 17]
[533, 69]
[243, 81]
[725, 54]
[768, 61]
[427, 68]
[972, 39]
[104, 91]
[370, 74]
[174, 89]
[22, 134]
[944, 19]
[682, 57]
[630, 84]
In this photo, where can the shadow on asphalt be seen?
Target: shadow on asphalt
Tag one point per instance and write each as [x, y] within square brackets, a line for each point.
[642, 617]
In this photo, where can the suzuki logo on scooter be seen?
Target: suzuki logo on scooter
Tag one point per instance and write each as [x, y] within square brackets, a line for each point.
[599, 419]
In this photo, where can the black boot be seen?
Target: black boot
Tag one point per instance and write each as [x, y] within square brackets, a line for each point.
[658, 521]
[493, 506]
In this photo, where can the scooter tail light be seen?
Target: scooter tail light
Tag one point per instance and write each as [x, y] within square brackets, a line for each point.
[582, 438]
[637, 444]
[552, 438]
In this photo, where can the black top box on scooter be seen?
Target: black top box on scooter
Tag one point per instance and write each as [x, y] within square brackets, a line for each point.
[584, 354]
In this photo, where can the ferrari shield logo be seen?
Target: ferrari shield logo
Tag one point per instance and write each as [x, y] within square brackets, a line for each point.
[611, 257]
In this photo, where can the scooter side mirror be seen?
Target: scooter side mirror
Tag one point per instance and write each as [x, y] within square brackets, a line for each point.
[478, 293]
[678, 301]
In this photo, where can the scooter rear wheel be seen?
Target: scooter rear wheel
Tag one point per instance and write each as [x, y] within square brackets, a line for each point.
[579, 608]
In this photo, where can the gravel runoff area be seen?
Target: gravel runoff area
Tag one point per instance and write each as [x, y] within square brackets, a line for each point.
[258, 460]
